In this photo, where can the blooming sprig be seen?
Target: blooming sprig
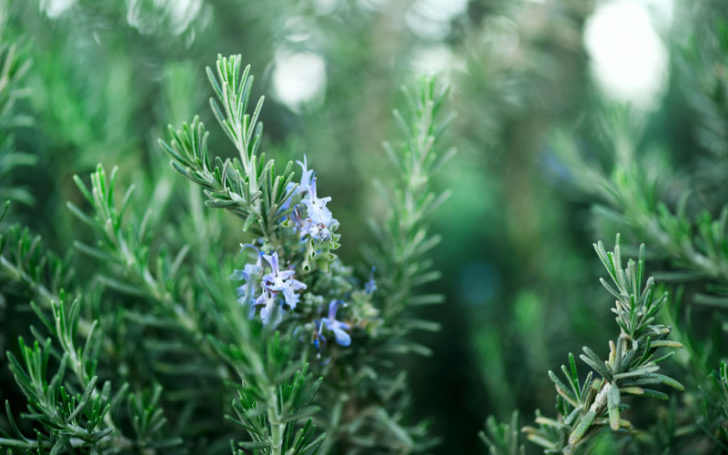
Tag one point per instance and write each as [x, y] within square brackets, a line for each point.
[298, 286]
[310, 234]
[311, 216]
[275, 292]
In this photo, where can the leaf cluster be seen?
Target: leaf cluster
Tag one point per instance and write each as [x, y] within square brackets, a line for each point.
[247, 185]
[631, 369]
[586, 405]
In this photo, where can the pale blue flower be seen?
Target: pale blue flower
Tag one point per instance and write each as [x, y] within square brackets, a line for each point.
[312, 218]
[281, 281]
[270, 311]
[333, 325]
[272, 293]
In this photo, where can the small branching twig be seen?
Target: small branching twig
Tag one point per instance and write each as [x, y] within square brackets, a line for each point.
[632, 368]
[586, 405]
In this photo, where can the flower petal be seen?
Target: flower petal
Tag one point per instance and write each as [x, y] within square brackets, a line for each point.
[342, 338]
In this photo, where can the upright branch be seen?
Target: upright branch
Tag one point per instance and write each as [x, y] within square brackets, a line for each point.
[299, 288]
[294, 234]
[248, 185]
[588, 405]
[233, 90]
[378, 393]
[403, 238]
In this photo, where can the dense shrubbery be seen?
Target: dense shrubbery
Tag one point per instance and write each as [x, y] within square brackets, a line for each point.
[335, 304]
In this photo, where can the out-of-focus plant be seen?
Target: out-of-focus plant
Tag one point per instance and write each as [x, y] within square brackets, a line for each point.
[13, 66]
[297, 285]
[628, 167]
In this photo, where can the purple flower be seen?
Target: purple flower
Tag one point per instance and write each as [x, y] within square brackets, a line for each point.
[274, 291]
[312, 217]
[332, 324]
[281, 281]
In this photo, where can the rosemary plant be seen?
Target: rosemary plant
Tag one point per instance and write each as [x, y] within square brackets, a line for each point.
[291, 353]
[296, 285]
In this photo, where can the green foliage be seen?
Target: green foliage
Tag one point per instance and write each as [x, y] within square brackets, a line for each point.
[250, 191]
[154, 265]
[378, 392]
[269, 410]
[586, 405]
[71, 409]
[174, 307]
[633, 362]
[24, 260]
[695, 243]
[136, 341]
[123, 246]
[633, 178]
[503, 438]
[248, 186]
[13, 66]
[402, 239]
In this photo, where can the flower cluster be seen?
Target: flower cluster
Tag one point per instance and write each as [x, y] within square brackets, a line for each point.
[270, 287]
[311, 216]
[276, 290]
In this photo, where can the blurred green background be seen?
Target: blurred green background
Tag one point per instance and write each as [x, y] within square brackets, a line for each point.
[518, 270]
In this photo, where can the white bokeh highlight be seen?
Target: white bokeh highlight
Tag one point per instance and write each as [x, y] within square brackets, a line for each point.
[430, 19]
[628, 58]
[299, 78]
[54, 8]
